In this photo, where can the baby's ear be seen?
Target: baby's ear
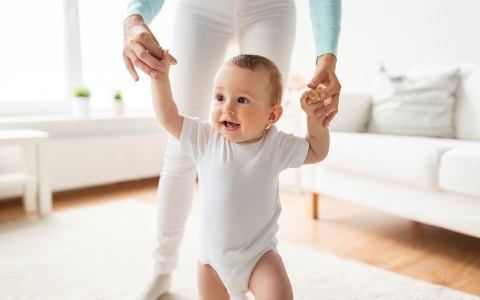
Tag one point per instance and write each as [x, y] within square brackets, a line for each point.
[275, 114]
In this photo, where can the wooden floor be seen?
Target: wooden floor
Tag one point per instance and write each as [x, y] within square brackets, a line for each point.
[346, 230]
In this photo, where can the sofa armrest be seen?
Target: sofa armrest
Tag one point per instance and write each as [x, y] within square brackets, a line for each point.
[353, 113]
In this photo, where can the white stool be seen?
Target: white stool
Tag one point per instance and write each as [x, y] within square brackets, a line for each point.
[35, 173]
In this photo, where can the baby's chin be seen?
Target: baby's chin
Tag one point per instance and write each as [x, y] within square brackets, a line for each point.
[229, 135]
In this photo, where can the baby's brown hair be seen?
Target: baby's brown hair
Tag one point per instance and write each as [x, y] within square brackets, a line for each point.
[252, 62]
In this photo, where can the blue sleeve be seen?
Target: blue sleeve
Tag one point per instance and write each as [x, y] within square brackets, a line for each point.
[148, 9]
[326, 17]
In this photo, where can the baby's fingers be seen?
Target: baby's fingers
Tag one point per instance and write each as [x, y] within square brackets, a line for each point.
[166, 56]
[166, 59]
[312, 109]
[313, 96]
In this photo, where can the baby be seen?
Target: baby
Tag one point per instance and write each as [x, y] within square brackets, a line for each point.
[239, 155]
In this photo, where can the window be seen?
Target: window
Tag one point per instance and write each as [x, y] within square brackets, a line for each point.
[103, 69]
[45, 53]
[33, 52]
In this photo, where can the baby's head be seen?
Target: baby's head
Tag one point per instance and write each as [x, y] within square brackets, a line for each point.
[259, 63]
[248, 92]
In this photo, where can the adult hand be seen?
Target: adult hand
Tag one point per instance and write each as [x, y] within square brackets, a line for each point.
[325, 77]
[141, 49]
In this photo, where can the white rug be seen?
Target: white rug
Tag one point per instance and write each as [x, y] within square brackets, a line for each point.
[104, 251]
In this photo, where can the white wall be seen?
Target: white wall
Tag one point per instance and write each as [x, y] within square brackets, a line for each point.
[399, 33]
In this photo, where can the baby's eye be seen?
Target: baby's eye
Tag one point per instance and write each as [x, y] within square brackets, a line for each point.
[242, 100]
[219, 98]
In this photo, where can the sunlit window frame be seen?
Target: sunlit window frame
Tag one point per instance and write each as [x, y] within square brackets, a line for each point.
[73, 70]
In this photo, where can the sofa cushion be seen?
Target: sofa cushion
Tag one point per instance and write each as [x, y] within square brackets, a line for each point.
[397, 159]
[354, 111]
[419, 106]
[467, 107]
[460, 170]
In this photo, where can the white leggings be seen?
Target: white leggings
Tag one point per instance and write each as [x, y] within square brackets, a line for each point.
[203, 30]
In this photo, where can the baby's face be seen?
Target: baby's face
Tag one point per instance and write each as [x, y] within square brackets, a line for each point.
[241, 107]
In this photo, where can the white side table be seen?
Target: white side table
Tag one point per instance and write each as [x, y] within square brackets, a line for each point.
[35, 173]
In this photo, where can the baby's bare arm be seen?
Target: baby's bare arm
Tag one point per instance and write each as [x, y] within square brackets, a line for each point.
[165, 108]
[317, 135]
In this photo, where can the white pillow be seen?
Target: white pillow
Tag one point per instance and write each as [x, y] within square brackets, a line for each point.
[414, 105]
[353, 113]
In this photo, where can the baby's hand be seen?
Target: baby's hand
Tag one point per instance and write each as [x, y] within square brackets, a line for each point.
[165, 61]
[312, 100]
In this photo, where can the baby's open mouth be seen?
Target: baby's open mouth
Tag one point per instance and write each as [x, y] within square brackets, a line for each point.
[230, 125]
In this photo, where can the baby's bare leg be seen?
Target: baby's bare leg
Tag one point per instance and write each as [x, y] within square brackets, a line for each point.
[210, 286]
[269, 279]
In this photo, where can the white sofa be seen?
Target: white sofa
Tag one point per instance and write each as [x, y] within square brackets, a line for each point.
[434, 181]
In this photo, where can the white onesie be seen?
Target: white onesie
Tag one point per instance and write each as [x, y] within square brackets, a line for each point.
[239, 197]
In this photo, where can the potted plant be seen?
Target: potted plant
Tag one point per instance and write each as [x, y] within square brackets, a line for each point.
[118, 104]
[81, 102]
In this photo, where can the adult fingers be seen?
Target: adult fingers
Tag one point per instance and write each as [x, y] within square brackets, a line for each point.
[172, 59]
[321, 77]
[142, 51]
[332, 95]
[329, 118]
[324, 71]
[333, 87]
[148, 56]
[329, 110]
[146, 39]
[137, 56]
[149, 43]
[317, 79]
[130, 67]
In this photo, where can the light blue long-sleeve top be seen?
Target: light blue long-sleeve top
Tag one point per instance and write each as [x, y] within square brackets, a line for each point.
[325, 15]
